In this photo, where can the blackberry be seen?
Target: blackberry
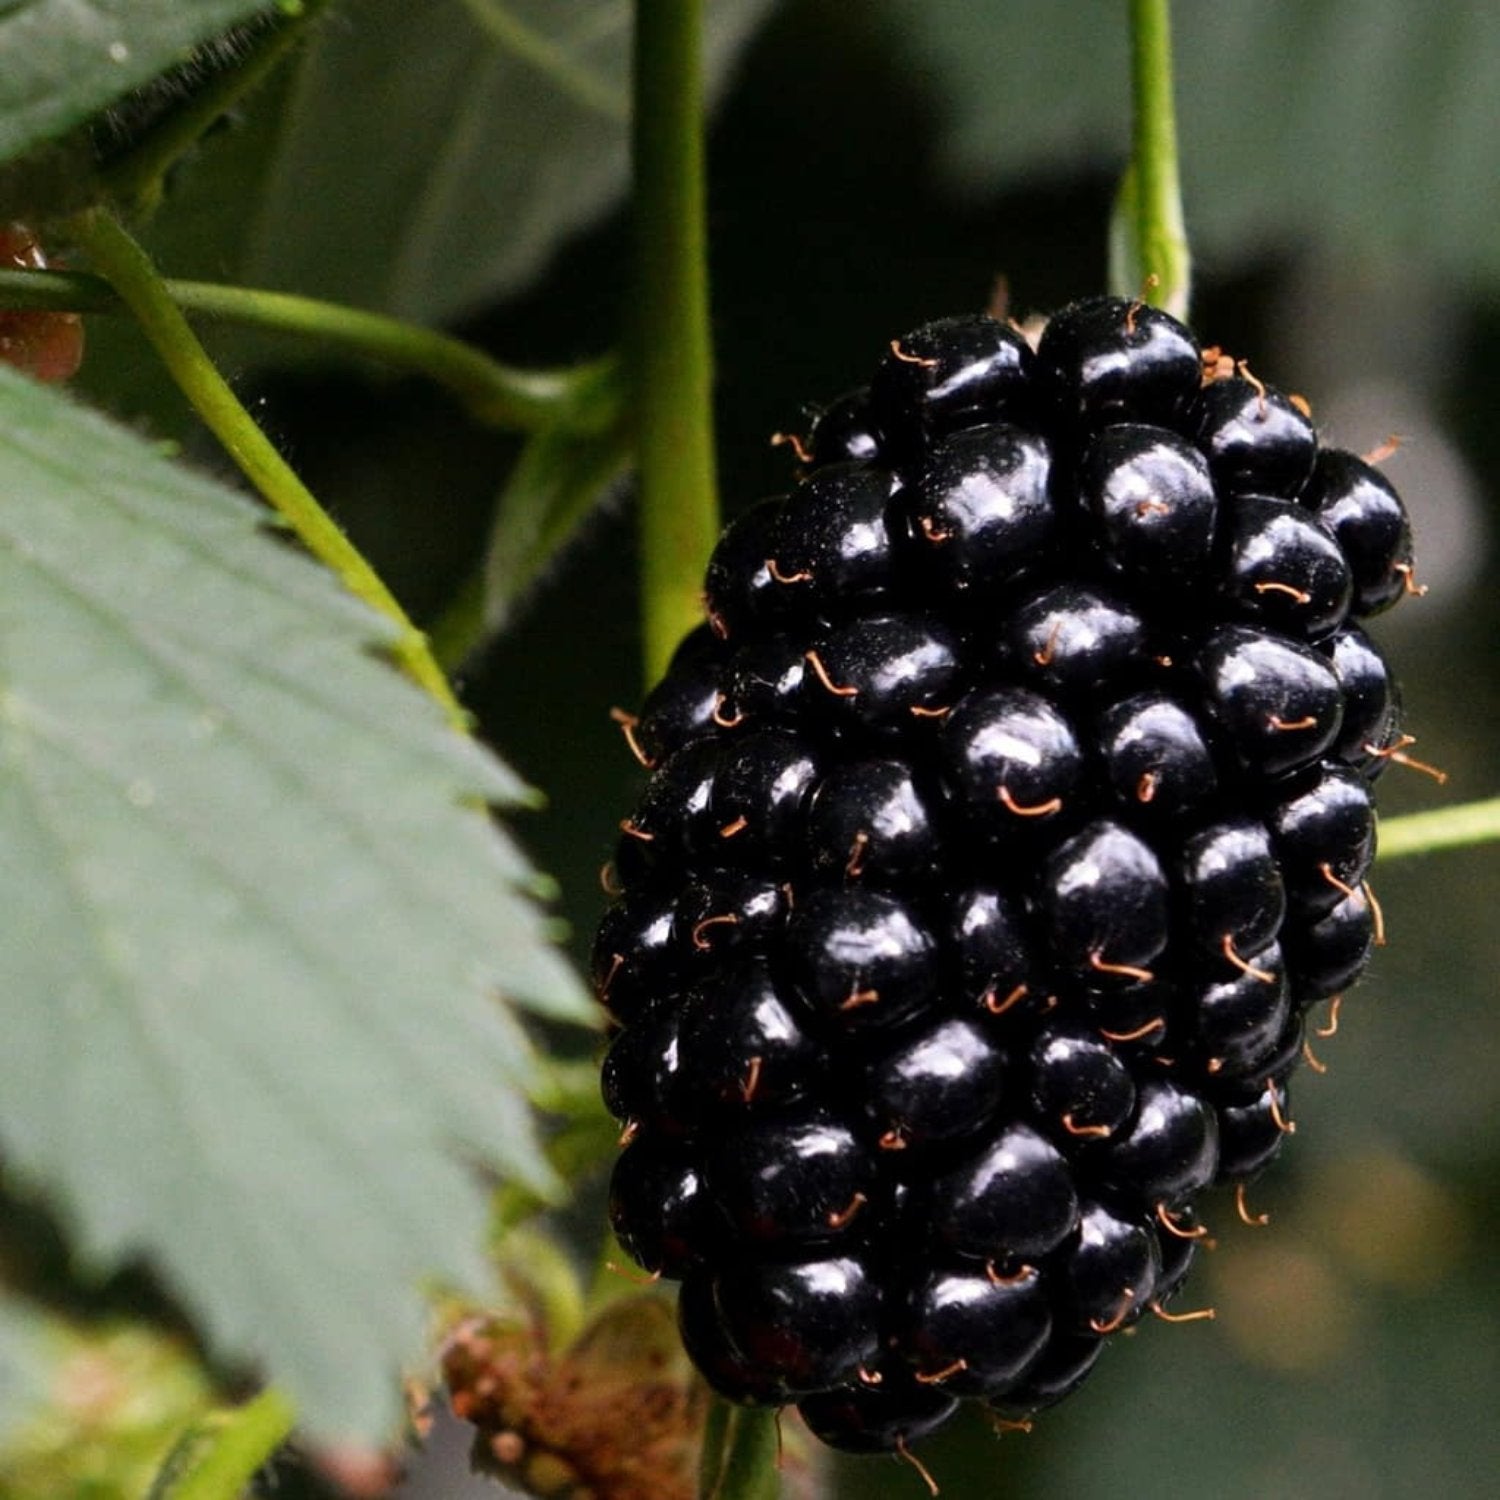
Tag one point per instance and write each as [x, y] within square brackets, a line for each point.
[1003, 821]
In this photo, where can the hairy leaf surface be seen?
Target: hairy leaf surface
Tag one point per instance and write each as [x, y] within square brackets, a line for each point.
[64, 60]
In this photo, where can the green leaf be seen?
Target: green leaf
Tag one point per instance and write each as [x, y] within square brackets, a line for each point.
[1370, 126]
[65, 61]
[565, 472]
[431, 157]
[257, 920]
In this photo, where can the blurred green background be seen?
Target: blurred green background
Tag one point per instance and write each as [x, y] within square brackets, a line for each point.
[873, 165]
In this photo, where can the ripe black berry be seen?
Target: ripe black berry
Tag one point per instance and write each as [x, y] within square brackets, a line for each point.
[830, 546]
[889, 1410]
[1257, 441]
[1080, 1085]
[1231, 884]
[799, 1178]
[879, 673]
[1278, 701]
[1107, 1275]
[956, 372]
[859, 958]
[1170, 1151]
[1104, 900]
[1234, 1024]
[657, 1208]
[1358, 507]
[1283, 569]
[1003, 821]
[940, 1085]
[843, 430]
[1073, 641]
[808, 1325]
[869, 821]
[1152, 496]
[1014, 1198]
[1109, 360]
[976, 1332]
[1155, 757]
[980, 511]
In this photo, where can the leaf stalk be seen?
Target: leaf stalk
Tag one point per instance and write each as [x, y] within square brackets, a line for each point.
[496, 394]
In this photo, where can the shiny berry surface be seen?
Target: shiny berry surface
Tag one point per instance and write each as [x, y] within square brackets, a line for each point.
[1153, 498]
[1360, 509]
[980, 510]
[956, 372]
[1257, 441]
[1110, 360]
[994, 835]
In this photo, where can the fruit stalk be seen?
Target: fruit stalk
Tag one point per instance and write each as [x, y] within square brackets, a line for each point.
[739, 1454]
[671, 353]
[1152, 258]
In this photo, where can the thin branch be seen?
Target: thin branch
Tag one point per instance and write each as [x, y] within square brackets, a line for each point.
[1446, 828]
[671, 350]
[130, 272]
[496, 394]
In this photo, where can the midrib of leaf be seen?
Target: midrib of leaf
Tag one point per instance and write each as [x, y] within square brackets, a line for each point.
[506, 30]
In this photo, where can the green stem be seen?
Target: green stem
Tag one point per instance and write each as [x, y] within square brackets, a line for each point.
[1446, 828]
[738, 1461]
[496, 394]
[128, 269]
[1151, 240]
[217, 1457]
[135, 178]
[671, 352]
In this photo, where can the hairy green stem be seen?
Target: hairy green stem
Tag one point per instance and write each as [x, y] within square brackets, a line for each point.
[128, 269]
[217, 1457]
[496, 394]
[135, 178]
[671, 352]
[1446, 828]
[1150, 252]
